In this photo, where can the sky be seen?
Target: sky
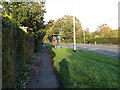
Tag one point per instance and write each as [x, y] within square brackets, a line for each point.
[91, 13]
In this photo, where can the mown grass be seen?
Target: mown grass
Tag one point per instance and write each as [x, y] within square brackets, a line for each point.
[83, 69]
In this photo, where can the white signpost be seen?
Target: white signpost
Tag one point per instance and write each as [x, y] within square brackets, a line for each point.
[74, 45]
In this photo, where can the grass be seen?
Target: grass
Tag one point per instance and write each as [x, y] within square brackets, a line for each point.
[83, 69]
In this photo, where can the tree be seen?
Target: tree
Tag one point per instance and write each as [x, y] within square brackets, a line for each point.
[49, 24]
[87, 34]
[64, 26]
[103, 31]
[27, 14]
[48, 29]
[118, 32]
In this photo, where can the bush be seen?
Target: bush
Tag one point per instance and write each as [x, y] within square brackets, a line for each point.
[78, 40]
[67, 41]
[49, 47]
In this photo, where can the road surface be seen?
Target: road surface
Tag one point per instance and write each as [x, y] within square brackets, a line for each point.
[109, 50]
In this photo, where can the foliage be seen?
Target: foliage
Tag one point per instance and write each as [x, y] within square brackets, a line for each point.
[119, 32]
[27, 14]
[86, 69]
[64, 26]
[26, 75]
[104, 35]
[113, 40]
[50, 47]
[49, 24]
[47, 36]
[104, 31]
[17, 49]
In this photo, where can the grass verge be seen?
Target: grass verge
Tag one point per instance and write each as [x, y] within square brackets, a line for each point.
[83, 69]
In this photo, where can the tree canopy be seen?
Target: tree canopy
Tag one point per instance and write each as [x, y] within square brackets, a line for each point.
[104, 31]
[27, 14]
[64, 26]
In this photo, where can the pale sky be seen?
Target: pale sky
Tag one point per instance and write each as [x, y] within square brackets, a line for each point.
[91, 13]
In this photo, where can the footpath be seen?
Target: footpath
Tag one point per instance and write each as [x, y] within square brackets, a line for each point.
[46, 77]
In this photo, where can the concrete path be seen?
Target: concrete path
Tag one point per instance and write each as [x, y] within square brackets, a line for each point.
[46, 77]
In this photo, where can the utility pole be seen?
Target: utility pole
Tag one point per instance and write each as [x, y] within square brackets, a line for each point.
[74, 45]
[84, 36]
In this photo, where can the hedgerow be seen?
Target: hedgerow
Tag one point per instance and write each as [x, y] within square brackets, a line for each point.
[17, 52]
[112, 40]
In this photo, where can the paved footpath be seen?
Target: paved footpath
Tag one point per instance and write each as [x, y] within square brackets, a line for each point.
[46, 77]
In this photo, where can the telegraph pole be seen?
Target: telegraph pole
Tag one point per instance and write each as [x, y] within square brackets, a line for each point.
[74, 45]
[84, 35]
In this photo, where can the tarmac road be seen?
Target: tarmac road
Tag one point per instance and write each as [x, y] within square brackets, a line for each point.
[109, 50]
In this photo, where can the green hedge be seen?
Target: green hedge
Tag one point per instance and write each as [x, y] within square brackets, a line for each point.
[17, 51]
[71, 40]
[104, 40]
[50, 47]
[67, 41]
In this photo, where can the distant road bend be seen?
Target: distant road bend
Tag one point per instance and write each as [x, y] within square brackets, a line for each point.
[109, 50]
